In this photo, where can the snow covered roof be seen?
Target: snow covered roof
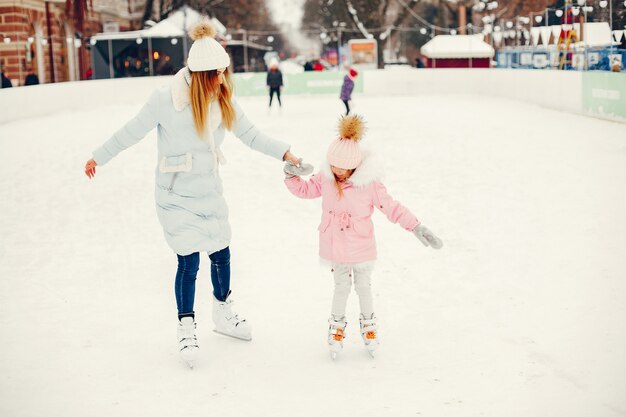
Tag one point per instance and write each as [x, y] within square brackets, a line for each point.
[178, 18]
[457, 46]
[595, 33]
[175, 26]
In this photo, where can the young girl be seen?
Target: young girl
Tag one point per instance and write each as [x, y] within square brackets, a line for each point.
[350, 189]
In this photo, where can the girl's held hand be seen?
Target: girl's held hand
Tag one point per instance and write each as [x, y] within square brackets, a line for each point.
[291, 157]
[90, 168]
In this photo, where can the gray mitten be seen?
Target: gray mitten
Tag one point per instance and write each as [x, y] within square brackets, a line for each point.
[291, 170]
[427, 237]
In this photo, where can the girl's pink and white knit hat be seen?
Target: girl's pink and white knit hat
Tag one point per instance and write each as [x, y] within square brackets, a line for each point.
[345, 152]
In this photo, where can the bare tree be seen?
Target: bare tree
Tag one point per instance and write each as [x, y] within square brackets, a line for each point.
[364, 18]
[234, 14]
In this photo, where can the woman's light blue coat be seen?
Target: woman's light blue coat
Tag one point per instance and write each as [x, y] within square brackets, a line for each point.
[188, 188]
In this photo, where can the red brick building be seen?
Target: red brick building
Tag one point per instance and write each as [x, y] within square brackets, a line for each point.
[47, 39]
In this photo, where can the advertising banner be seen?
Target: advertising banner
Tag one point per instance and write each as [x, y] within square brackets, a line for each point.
[604, 94]
[363, 53]
[322, 82]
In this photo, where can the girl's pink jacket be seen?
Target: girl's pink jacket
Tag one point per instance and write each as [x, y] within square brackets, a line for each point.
[346, 231]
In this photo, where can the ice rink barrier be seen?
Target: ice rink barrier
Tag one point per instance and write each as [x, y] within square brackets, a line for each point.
[598, 94]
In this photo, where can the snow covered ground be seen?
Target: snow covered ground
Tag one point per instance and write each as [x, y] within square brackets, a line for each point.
[522, 313]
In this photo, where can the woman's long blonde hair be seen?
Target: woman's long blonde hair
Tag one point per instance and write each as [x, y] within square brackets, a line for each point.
[205, 87]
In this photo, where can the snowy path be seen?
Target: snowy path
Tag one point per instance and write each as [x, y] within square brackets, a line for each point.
[522, 313]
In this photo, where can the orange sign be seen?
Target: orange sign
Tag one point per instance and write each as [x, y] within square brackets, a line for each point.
[363, 53]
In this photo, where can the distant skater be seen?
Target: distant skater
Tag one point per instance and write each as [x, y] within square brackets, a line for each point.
[347, 87]
[275, 82]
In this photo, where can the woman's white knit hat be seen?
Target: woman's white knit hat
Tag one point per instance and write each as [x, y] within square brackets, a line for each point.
[206, 53]
[345, 152]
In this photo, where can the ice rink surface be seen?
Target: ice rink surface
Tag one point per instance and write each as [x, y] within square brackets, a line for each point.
[522, 313]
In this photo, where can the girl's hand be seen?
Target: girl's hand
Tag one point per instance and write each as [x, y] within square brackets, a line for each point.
[90, 168]
[291, 170]
[288, 156]
[427, 237]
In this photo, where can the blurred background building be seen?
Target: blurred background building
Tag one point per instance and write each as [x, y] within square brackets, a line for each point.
[67, 40]
[49, 38]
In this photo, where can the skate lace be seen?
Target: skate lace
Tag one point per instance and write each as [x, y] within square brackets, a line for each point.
[337, 334]
[188, 343]
[368, 329]
[188, 338]
[231, 314]
[337, 330]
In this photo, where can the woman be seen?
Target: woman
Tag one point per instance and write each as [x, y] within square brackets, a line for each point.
[192, 115]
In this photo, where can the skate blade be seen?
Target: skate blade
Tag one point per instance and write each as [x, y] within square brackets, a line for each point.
[189, 357]
[371, 349]
[233, 336]
[188, 361]
[334, 349]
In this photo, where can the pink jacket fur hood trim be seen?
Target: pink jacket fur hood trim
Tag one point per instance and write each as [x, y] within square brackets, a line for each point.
[346, 231]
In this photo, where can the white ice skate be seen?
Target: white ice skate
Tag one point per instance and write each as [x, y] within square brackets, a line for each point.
[369, 333]
[227, 322]
[187, 341]
[336, 334]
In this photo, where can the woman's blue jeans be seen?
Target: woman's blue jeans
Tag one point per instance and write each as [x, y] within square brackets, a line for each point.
[185, 285]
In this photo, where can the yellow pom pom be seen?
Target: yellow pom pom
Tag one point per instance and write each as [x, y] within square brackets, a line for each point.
[351, 127]
[202, 29]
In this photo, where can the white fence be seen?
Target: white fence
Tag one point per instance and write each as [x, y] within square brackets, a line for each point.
[560, 90]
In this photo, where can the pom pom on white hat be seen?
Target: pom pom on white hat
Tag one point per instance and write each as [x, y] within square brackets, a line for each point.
[206, 53]
[344, 152]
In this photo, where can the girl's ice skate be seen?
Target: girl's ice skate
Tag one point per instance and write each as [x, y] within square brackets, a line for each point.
[336, 334]
[227, 322]
[187, 341]
[369, 333]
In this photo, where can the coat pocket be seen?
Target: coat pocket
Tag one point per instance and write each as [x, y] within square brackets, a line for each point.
[324, 224]
[176, 163]
[363, 228]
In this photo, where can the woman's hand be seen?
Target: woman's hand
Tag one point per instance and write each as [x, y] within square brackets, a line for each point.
[288, 156]
[90, 168]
